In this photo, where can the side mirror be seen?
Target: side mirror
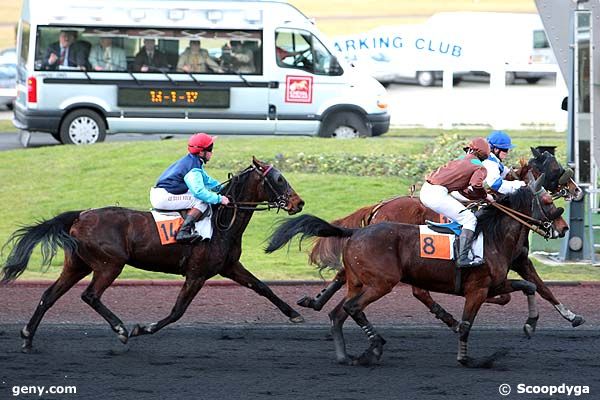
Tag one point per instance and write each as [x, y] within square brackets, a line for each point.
[334, 67]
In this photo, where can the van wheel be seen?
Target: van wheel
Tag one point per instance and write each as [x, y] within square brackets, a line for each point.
[509, 78]
[425, 78]
[345, 125]
[532, 81]
[82, 127]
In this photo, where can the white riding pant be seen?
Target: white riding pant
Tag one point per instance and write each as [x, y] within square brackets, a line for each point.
[163, 200]
[437, 198]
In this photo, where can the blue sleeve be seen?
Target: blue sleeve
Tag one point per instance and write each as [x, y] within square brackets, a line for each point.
[211, 183]
[195, 182]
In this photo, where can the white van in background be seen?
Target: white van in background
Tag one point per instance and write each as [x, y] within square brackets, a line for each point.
[467, 43]
[262, 68]
[517, 41]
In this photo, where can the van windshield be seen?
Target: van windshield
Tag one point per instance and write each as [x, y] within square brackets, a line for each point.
[300, 49]
[149, 50]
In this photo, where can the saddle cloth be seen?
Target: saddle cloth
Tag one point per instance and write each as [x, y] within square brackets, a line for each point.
[442, 245]
[169, 222]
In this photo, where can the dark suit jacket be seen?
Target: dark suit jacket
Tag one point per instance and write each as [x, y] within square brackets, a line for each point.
[159, 60]
[76, 58]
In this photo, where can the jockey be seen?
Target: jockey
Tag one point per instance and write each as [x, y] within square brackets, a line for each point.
[185, 184]
[467, 175]
[500, 144]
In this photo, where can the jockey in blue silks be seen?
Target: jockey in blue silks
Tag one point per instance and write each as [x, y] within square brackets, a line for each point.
[500, 144]
[186, 185]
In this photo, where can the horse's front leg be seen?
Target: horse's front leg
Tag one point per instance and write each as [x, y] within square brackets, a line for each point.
[528, 288]
[473, 301]
[527, 270]
[236, 272]
[190, 289]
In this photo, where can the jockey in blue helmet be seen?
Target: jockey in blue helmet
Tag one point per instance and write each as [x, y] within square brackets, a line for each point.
[500, 144]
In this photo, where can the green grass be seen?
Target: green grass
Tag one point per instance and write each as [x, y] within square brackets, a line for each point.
[6, 126]
[42, 182]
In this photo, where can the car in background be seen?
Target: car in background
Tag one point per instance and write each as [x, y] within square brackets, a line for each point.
[8, 77]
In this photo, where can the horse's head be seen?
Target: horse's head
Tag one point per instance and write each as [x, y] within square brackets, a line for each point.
[544, 210]
[557, 180]
[274, 188]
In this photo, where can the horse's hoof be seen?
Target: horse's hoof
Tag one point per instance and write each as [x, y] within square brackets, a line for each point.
[578, 320]
[135, 331]
[455, 326]
[346, 360]
[123, 338]
[305, 302]
[367, 358]
[26, 349]
[297, 319]
[529, 330]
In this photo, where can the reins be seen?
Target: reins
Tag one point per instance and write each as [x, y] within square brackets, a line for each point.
[516, 215]
[278, 204]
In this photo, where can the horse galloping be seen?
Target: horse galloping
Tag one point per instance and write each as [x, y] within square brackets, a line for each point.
[379, 256]
[103, 240]
[326, 252]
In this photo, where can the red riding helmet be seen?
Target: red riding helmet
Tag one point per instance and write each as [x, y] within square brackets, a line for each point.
[480, 147]
[199, 142]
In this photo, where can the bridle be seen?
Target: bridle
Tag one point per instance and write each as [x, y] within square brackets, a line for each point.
[542, 227]
[280, 200]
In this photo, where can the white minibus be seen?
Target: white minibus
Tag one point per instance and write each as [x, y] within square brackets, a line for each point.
[87, 69]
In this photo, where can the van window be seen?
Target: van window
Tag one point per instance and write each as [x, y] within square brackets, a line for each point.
[301, 50]
[149, 50]
[24, 50]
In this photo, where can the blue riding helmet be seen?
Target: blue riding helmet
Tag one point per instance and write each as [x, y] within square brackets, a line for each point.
[500, 140]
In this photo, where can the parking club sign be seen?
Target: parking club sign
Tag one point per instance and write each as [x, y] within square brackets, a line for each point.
[298, 89]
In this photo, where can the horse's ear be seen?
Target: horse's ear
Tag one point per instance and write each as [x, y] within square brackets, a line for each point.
[257, 163]
[536, 153]
[531, 180]
[539, 182]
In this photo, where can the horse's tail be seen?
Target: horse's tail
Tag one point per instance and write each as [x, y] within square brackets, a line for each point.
[327, 251]
[309, 226]
[51, 234]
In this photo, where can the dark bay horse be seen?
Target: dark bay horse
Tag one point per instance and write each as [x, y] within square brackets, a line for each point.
[326, 252]
[101, 241]
[379, 256]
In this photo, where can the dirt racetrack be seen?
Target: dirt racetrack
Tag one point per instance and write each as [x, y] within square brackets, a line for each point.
[233, 344]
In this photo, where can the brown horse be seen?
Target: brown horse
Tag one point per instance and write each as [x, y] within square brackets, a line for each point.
[379, 256]
[103, 240]
[326, 252]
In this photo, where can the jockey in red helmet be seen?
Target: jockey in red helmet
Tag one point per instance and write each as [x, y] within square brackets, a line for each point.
[465, 175]
[185, 184]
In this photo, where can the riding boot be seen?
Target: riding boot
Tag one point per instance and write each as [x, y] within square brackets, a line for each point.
[185, 235]
[466, 243]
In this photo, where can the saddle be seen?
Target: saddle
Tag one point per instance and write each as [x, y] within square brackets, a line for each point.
[449, 228]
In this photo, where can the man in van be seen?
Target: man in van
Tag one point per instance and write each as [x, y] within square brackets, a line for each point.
[197, 59]
[105, 56]
[64, 53]
[150, 59]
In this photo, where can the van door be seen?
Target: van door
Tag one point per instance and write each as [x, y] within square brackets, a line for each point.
[309, 77]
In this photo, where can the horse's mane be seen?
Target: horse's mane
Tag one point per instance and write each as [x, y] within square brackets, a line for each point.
[235, 186]
[489, 219]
